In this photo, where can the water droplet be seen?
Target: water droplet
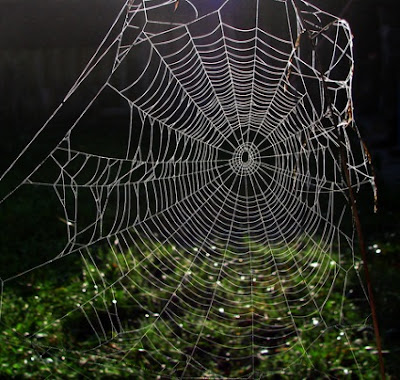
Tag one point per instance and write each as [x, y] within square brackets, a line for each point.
[315, 321]
[378, 251]
[147, 315]
[314, 265]
[221, 310]
[114, 301]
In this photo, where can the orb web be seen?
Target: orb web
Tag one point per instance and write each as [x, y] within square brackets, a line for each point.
[223, 203]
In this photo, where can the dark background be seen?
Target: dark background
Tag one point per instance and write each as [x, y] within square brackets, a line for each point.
[45, 44]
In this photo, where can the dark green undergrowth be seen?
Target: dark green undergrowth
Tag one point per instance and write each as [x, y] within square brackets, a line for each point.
[47, 315]
[94, 323]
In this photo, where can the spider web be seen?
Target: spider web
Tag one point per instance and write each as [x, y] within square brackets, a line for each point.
[223, 202]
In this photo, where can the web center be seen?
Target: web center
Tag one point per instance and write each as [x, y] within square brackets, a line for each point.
[246, 159]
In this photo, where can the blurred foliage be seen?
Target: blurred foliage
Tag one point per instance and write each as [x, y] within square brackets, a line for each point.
[146, 345]
[44, 333]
